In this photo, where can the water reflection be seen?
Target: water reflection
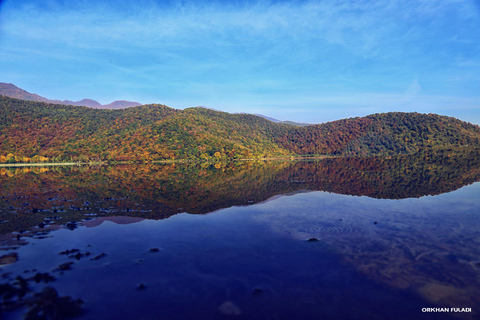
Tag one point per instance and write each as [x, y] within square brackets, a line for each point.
[43, 196]
[429, 246]
[386, 247]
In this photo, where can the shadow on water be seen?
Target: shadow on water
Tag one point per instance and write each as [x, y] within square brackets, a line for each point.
[93, 229]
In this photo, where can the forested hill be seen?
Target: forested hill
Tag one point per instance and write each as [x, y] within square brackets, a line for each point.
[36, 131]
[381, 134]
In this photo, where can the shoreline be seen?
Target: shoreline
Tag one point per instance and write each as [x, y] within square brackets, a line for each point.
[45, 164]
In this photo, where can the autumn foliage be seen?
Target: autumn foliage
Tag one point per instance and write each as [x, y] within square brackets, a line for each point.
[42, 132]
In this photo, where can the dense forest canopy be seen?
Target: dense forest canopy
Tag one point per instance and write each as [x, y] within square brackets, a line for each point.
[42, 132]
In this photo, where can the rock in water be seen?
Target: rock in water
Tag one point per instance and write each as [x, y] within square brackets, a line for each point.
[230, 309]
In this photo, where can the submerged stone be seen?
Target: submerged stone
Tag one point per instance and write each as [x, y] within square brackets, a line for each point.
[8, 259]
[101, 255]
[64, 266]
[230, 309]
[42, 277]
[47, 304]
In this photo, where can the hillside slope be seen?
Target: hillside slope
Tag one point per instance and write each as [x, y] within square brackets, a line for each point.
[34, 129]
[37, 131]
[150, 132]
[381, 134]
[12, 91]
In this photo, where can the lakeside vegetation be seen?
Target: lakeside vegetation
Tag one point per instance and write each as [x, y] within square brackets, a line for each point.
[38, 132]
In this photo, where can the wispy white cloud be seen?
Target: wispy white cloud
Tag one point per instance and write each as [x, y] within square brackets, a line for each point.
[412, 90]
[260, 53]
[149, 26]
[362, 28]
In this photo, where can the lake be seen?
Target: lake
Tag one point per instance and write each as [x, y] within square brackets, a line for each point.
[337, 238]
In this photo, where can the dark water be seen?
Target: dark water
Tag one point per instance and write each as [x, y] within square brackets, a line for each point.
[388, 238]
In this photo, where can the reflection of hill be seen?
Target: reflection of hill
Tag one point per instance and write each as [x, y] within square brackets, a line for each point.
[424, 173]
[30, 196]
[117, 220]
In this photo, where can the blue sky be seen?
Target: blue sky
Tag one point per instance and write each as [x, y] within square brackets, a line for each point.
[307, 61]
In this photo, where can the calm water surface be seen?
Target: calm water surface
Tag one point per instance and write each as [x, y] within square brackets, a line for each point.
[333, 239]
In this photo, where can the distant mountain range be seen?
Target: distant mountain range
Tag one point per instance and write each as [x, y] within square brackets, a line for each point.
[293, 123]
[37, 131]
[12, 91]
